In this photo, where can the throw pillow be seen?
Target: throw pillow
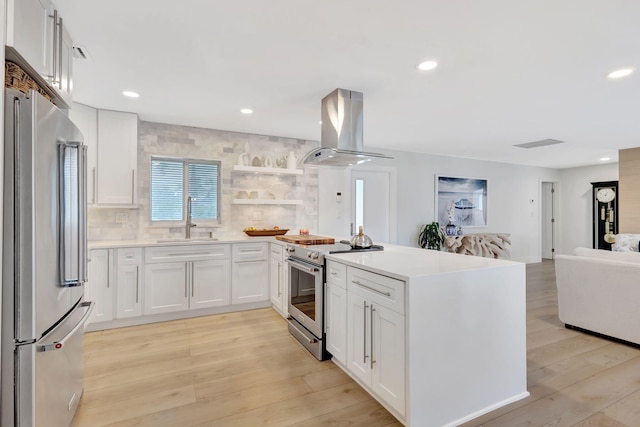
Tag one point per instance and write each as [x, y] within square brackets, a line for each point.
[626, 243]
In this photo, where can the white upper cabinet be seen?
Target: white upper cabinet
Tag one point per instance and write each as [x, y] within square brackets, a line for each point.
[40, 44]
[86, 118]
[118, 158]
[30, 33]
[64, 74]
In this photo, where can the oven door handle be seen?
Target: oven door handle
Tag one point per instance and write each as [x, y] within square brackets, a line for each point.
[303, 266]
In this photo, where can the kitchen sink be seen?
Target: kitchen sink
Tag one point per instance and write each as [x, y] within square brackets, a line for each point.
[195, 240]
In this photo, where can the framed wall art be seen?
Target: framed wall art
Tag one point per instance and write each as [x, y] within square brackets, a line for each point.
[461, 201]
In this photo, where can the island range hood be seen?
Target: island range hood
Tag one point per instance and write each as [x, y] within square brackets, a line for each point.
[341, 133]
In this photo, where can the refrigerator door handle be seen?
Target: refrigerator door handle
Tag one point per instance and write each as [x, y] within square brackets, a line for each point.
[72, 208]
[57, 345]
[82, 212]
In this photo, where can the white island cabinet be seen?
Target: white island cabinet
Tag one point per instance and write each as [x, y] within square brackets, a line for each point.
[437, 338]
[336, 308]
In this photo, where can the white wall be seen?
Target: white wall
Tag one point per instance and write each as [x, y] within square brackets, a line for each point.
[575, 204]
[513, 204]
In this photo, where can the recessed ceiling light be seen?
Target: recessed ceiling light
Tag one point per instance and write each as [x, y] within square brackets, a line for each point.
[131, 94]
[320, 122]
[604, 159]
[246, 111]
[427, 65]
[618, 74]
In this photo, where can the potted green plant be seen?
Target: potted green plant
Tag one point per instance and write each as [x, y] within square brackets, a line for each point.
[431, 236]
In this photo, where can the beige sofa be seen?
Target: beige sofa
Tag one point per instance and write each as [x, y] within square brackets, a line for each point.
[599, 291]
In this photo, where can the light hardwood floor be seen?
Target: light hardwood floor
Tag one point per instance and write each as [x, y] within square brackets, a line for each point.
[244, 369]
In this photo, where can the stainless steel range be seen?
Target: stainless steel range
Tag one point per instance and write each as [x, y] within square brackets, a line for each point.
[306, 292]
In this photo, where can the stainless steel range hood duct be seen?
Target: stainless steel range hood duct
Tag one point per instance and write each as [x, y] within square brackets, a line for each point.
[341, 133]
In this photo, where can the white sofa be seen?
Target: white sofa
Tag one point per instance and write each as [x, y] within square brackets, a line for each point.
[599, 291]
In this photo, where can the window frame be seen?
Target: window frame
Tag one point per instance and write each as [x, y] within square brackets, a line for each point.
[186, 161]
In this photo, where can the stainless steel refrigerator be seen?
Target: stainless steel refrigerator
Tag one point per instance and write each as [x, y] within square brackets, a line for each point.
[44, 264]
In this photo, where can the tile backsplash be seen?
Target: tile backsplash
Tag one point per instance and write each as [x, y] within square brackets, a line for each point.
[197, 143]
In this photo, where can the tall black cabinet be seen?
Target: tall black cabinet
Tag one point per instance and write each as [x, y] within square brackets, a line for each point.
[605, 213]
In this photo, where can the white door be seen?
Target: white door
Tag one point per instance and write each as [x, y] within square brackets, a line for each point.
[210, 283]
[548, 220]
[373, 200]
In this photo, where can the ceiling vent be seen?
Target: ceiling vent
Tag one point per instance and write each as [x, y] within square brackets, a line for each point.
[81, 53]
[541, 143]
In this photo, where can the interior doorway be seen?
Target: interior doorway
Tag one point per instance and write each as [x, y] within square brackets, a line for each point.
[373, 203]
[548, 220]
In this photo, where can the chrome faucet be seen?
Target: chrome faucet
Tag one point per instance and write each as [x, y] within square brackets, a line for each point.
[189, 224]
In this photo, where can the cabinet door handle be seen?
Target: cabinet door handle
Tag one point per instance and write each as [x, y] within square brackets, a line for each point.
[54, 59]
[193, 282]
[60, 55]
[108, 267]
[364, 333]
[386, 294]
[137, 285]
[133, 185]
[93, 173]
[279, 281]
[186, 279]
[371, 338]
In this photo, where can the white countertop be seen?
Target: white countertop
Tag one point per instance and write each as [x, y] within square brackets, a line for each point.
[404, 263]
[107, 244]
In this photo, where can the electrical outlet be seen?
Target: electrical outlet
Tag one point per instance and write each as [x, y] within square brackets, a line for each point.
[257, 215]
[122, 217]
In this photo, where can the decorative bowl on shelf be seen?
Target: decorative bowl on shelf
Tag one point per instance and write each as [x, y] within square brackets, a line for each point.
[271, 232]
[279, 190]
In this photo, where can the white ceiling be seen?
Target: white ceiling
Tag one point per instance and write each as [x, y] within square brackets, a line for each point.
[510, 72]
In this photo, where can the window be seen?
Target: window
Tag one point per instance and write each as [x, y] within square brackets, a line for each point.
[174, 180]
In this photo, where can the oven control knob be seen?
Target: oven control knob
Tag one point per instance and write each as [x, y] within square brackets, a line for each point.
[290, 249]
[313, 255]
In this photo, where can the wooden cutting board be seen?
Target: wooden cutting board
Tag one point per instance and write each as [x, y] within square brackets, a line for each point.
[307, 240]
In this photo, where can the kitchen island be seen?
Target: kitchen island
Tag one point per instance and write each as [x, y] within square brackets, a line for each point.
[437, 338]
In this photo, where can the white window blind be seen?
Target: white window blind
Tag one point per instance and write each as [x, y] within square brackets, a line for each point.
[203, 189]
[172, 180]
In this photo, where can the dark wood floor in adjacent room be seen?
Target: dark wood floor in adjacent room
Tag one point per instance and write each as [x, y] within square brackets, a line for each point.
[244, 369]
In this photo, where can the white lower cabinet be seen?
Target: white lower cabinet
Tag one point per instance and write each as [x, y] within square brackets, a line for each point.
[129, 283]
[250, 281]
[100, 286]
[210, 284]
[165, 288]
[336, 311]
[336, 322]
[186, 278]
[278, 280]
[375, 333]
[134, 282]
